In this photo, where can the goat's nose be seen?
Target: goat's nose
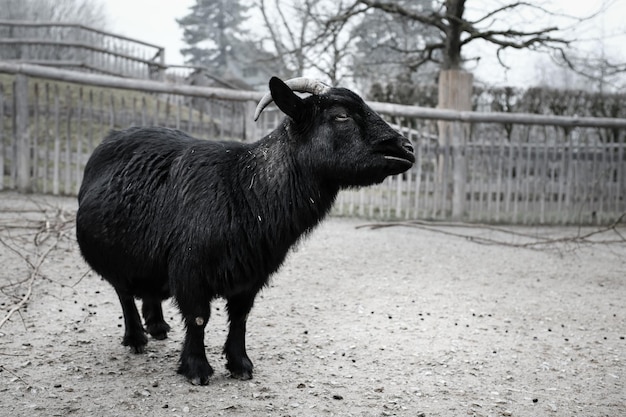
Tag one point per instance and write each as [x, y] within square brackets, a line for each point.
[408, 146]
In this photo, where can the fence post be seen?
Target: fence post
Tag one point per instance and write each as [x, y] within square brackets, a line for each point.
[249, 124]
[161, 70]
[455, 92]
[22, 137]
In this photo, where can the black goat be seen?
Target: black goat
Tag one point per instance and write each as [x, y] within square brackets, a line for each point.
[163, 214]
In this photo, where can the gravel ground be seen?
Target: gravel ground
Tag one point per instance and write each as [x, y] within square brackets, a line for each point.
[395, 321]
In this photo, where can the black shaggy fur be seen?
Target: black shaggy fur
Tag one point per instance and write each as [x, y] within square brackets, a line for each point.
[163, 214]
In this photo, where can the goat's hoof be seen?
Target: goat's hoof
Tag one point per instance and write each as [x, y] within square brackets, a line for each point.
[241, 369]
[244, 376]
[198, 372]
[158, 330]
[137, 342]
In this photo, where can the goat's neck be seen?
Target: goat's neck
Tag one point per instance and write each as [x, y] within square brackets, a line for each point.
[278, 186]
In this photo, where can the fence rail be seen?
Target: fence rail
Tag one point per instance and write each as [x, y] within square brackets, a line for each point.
[81, 47]
[537, 170]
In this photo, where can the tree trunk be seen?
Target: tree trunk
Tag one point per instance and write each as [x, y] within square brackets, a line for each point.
[455, 92]
[454, 28]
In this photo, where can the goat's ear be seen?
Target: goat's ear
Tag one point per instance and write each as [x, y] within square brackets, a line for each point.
[286, 100]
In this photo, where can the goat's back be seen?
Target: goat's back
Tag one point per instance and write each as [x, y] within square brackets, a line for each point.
[136, 185]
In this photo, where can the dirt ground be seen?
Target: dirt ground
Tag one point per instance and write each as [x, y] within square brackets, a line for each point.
[396, 321]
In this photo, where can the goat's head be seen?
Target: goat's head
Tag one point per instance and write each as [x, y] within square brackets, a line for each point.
[338, 136]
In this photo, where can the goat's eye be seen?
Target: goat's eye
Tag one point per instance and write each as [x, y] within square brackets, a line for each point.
[342, 118]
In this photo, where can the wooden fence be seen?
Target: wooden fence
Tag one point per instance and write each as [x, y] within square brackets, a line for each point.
[507, 168]
[87, 49]
[80, 47]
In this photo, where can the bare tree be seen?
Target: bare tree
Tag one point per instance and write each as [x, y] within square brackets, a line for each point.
[287, 36]
[456, 31]
[297, 34]
[456, 27]
[593, 70]
[86, 12]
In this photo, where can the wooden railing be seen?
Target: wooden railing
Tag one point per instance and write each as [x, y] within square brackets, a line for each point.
[539, 170]
[78, 46]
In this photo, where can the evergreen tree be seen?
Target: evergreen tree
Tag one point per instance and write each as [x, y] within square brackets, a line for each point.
[212, 29]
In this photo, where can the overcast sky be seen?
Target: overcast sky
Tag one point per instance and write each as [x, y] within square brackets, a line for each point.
[154, 21]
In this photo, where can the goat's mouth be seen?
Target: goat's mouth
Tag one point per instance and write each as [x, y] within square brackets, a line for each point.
[398, 164]
[403, 157]
[404, 160]
[398, 156]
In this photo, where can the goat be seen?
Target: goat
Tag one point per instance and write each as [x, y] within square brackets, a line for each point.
[163, 214]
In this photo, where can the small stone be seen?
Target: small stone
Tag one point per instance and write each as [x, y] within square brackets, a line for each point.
[337, 397]
[185, 409]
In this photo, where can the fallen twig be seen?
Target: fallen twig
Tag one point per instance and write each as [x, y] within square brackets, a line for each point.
[55, 226]
[17, 252]
[537, 242]
[15, 375]
[31, 280]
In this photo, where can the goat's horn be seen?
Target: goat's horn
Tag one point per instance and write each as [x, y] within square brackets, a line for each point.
[301, 85]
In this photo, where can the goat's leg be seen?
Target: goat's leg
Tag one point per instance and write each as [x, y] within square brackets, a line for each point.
[193, 362]
[153, 316]
[195, 306]
[238, 362]
[134, 335]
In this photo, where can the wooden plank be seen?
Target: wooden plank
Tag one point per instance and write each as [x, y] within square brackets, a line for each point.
[177, 104]
[527, 161]
[35, 139]
[46, 140]
[190, 124]
[111, 111]
[571, 168]
[57, 144]
[417, 171]
[609, 191]
[431, 160]
[470, 181]
[3, 148]
[491, 162]
[501, 178]
[398, 196]
[620, 181]
[600, 182]
[544, 180]
[91, 123]
[480, 178]
[144, 111]
[559, 179]
[79, 142]
[510, 169]
[68, 141]
[22, 149]
[446, 182]
[516, 180]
